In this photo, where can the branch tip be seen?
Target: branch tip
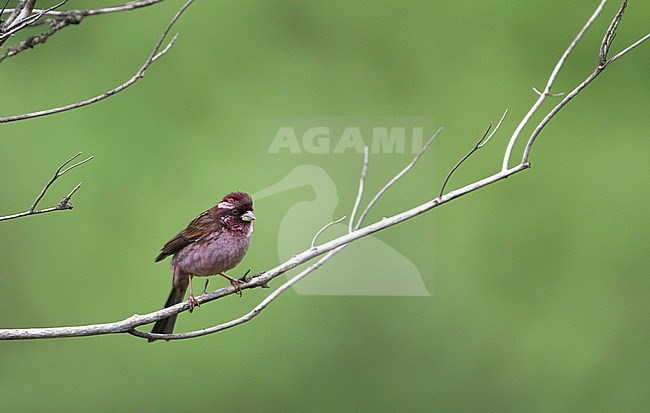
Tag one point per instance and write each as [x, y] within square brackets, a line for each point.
[610, 34]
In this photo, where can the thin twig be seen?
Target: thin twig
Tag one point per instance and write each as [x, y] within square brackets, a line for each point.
[4, 7]
[362, 179]
[67, 197]
[396, 178]
[320, 231]
[481, 143]
[64, 203]
[155, 54]
[463, 159]
[555, 95]
[629, 48]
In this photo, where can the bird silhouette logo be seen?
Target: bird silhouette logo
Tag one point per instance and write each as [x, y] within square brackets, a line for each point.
[368, 267]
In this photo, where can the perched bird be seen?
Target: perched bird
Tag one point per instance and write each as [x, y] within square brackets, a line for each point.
[213, 243]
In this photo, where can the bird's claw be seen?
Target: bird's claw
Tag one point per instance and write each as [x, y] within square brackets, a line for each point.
[237, 284]
[193, 302]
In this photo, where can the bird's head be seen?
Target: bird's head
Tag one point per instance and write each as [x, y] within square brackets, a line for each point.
[236, 211]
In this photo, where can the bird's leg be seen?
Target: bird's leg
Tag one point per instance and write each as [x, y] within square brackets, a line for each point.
[234, 282]
[193, 301]
[205, 287]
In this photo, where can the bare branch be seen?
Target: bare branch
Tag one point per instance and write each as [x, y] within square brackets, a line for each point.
[155, 54]
[330, 248]
[64, 204]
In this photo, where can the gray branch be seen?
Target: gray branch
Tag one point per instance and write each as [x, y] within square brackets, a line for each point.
[328, 249]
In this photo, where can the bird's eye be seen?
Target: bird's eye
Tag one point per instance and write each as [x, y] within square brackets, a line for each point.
[234, 212]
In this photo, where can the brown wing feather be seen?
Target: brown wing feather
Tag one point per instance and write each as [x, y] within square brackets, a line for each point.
[201, 225]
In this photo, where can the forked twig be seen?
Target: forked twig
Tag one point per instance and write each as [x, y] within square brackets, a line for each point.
[64, 203]
[547, 89]
[480, 144]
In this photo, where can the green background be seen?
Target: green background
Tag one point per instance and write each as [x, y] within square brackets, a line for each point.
[539, 283]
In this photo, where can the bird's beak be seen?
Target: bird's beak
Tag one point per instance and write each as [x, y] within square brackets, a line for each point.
[248, 217]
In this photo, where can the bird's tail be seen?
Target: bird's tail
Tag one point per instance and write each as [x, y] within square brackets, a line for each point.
[166, 325]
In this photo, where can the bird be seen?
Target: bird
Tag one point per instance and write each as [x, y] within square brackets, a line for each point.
[213, 243]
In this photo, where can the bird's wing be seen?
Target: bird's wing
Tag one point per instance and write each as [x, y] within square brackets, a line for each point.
[203, 224]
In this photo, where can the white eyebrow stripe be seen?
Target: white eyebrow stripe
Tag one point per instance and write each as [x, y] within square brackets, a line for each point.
[225, 205]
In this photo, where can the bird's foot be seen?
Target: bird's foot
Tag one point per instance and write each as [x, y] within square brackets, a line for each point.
[193, 302]
[235, 283]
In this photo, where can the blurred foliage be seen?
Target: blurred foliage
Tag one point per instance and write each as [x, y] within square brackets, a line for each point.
[539, 283]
